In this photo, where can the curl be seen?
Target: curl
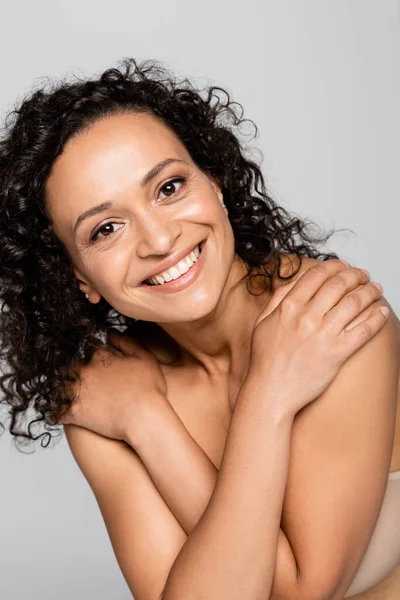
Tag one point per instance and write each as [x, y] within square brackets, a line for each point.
[47, 329]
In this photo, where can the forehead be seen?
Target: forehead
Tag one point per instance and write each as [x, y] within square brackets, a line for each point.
[110, 155]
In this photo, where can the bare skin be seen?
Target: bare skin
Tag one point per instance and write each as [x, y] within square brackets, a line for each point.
[208, 422]
[148, 226]
[107, 164]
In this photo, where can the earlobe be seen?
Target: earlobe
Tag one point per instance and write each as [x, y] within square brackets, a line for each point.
[217, 190]
[86, 288]
[83, 283]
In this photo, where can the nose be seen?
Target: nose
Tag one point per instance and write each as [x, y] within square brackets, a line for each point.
[156, 236]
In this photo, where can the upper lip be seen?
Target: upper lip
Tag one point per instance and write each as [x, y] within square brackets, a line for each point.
[170, 261]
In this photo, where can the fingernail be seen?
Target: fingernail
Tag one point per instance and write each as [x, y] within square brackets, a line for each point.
[378, 285]
[366, 272]
[384, 310]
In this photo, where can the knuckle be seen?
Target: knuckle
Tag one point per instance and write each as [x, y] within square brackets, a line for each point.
[378, 302]
[338, 282]
[353, 302]
[319, 270]
[365, 331]
[307, 323]
[289, 306]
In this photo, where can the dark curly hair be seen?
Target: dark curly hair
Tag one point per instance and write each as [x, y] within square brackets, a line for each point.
[46, 326]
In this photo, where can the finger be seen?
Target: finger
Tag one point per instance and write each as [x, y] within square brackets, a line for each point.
[123, 342]
[360, 334]
[312, 280]
[351, 306]
[336, 288]
[276, 298]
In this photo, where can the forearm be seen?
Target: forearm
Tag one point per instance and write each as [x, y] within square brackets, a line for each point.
[186, 478]
[178, 466]
[231, 551]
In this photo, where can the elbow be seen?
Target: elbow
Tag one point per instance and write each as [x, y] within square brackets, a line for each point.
[309, 593]
[316, 589]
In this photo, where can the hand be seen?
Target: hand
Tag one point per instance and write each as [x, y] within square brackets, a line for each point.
[115, 387]
[300, 339]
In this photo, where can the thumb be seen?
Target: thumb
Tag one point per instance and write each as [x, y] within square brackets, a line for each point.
[123, 342]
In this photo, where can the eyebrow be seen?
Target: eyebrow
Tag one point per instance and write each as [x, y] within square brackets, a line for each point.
[150, 175]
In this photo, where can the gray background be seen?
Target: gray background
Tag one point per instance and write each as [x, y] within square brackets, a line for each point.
[321, 80]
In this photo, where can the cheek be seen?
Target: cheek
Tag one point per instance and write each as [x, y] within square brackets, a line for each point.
[203, 207]
[107, 268]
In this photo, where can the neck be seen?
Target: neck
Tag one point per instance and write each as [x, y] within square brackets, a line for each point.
[219, 344]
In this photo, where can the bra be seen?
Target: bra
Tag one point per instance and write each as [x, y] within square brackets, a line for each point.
[383, 552]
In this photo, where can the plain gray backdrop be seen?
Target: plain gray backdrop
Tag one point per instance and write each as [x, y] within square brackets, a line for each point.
[320, 78]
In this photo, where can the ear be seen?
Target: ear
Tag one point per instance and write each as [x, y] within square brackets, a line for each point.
[216, 187]
[86, 287]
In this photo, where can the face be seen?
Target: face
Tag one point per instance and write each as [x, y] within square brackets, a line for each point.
[124, 198]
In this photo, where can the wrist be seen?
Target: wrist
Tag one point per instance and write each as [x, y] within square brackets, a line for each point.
[269, 394]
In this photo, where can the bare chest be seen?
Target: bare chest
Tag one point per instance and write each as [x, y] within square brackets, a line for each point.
[206, 413]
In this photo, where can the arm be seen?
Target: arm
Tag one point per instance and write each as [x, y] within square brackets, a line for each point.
[198, 473]
[146, 537]
[231, 551]
[192, 473]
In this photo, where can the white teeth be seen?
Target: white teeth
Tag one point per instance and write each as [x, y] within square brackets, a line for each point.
[166, 276]
[189, 261]
[174, 272]
[182, 266]
[177, 270]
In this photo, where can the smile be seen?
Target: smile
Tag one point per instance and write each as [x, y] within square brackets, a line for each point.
[176, 270]
[180, 275]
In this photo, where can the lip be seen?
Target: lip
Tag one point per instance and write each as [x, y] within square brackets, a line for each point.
[184, 280]
[170, 261]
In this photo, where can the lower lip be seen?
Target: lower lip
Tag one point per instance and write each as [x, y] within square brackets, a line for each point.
[176, 285]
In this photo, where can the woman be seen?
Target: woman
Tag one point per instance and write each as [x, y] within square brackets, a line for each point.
[184, 429]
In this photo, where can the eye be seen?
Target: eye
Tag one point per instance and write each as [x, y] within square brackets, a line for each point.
[170, 186]
[104, 231]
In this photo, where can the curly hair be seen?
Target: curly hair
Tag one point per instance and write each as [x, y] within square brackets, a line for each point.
[46, 326]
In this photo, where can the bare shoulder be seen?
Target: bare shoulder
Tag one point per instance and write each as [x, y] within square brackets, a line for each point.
[342, 448]
[291, 264]
[383, 349]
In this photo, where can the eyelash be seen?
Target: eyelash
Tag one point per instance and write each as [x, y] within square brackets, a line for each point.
[94, 237]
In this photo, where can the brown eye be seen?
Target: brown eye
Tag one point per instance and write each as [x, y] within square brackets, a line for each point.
[104, 231]
[170, 186]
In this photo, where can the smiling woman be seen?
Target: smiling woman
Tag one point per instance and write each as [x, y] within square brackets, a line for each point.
[39, 283]
[111, 191]
[128, 201]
